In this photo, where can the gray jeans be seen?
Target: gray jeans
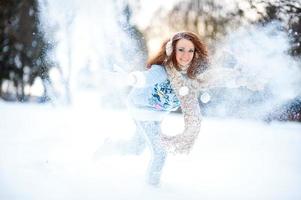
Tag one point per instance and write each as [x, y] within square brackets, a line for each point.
[149, 132]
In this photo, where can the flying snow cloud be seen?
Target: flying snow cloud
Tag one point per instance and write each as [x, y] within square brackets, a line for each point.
[93, 36]
[261, 53]
[89, 38]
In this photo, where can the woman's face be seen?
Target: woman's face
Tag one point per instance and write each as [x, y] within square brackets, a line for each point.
[184, 53]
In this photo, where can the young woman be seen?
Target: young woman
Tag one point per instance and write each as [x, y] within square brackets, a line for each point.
[173, 79]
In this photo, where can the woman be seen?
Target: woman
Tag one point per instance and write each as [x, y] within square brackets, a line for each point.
[169, 83]
[173, 79]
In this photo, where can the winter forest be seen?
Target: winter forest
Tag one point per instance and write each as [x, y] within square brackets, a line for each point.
[60, 103]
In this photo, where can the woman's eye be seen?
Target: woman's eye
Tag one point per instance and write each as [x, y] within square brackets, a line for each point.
[190, 51]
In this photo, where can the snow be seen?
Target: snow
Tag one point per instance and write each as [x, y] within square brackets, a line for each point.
[48, 153]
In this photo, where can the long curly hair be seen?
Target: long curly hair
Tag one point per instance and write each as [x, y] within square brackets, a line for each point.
[199, 62]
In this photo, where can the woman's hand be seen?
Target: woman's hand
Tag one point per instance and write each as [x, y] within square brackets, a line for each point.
[121, 78]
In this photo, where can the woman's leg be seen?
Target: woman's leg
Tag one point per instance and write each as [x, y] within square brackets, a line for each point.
[136, 144]
[151, 130]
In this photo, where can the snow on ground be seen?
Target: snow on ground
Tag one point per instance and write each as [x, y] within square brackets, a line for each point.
[48, 153]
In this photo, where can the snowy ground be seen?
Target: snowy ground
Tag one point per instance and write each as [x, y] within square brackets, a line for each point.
[48, 153]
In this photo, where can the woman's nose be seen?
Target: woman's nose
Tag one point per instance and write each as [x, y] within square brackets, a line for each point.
[186, 54]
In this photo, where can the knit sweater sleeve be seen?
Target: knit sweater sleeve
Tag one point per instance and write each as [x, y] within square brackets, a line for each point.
[149, 77]
[220, 77]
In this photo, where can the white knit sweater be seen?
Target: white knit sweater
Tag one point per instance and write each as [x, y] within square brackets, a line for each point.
[212, 77]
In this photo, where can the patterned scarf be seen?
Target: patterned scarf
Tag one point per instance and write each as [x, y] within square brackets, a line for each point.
[211, 78]
[182, 143]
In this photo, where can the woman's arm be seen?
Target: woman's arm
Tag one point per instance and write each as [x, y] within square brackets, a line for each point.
[151, 76]
[224, 77]
[137, 78]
